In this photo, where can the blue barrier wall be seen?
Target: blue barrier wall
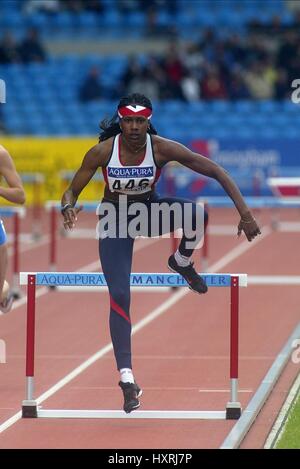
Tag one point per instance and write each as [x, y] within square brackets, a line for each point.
[250, 163]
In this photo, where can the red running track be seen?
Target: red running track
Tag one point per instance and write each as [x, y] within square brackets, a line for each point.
[181, 358]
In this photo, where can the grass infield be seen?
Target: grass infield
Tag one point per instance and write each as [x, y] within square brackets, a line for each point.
[290, 438]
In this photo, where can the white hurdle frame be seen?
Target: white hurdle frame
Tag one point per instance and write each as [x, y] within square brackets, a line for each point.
[30, 408]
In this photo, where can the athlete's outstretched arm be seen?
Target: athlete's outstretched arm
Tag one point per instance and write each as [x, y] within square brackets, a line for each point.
[14, 192]
[91, 162]
[170, 150]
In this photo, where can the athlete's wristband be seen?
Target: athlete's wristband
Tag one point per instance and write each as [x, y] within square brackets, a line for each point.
[65, 207]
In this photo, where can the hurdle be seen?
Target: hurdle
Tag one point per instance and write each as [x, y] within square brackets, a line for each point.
[16, 213]
[30, 408]
[66, 176]
[53, 208]
[285, 186]
[37, 180]
[253, 202]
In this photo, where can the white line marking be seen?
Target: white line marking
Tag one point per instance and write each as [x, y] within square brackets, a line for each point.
[8, 423]
[41, 242]
[221, 230]
[141, 244]
[229, 257]
[82, 233]
[239, 250]
[289, 226]
[22, 301]
[26, 238]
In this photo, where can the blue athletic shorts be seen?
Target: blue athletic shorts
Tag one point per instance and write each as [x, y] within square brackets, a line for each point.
[3, 237]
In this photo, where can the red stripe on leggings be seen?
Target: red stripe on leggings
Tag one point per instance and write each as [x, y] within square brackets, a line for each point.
[118, 309]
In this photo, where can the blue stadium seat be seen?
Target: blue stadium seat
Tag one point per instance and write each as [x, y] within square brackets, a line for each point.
[244, 131]
[288, 106]
[290, 132]
[268, 106]
[220, 106]
[268, 132]
[245, 106]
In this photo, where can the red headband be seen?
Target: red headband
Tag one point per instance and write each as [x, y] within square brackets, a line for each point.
[135, 110]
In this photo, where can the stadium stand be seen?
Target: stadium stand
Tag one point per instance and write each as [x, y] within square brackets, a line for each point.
[43, 95]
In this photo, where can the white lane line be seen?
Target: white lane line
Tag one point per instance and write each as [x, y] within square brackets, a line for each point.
[289, 227]
[229, 257]
[8, 423]
[239, 250]
[22, 301]
[29, 247]
[141, 244]
[221, 230]
[26, 238]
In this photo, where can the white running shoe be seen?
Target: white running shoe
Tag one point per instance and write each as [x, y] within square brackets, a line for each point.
[6, 304]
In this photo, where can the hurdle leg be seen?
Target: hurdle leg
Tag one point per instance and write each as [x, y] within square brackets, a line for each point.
[275, 218]
[205, 244]
[53, 240]
[36, 211]
[233, 408]
[29, 405]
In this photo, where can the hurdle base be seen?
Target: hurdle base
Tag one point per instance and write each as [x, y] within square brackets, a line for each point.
[233, 410]
[139, 414]
[29, 409]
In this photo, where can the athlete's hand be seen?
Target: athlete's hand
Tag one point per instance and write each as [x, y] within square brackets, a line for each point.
[249, 226]
[70, 216]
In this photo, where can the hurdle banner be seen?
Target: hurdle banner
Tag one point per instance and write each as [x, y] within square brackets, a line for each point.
[30, 408]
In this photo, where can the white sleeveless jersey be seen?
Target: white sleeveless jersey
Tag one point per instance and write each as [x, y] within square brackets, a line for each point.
[131, 180]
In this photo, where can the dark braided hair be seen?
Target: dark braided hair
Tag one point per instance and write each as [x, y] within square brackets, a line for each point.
[111, 126]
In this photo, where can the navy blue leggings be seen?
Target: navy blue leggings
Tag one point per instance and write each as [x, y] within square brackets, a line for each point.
[116, 259]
